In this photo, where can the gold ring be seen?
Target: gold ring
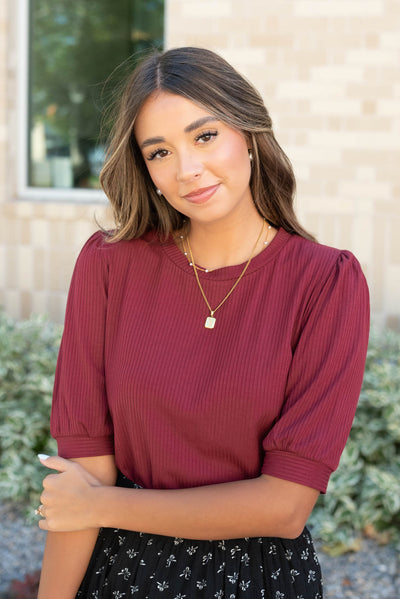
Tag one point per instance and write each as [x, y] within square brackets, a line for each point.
[39, 511]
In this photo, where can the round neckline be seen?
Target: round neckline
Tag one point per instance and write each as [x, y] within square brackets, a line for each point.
[227, 272]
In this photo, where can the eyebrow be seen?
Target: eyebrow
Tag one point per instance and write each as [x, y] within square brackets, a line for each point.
[199, 123]
[192, 127]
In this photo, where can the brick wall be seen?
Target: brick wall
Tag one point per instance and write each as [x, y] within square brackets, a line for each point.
[329, 73]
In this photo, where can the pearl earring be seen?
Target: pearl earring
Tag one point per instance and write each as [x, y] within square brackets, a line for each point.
[250, 155]
[159, 192]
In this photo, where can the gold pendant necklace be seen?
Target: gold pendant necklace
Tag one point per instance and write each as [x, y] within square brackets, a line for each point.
[210, 320]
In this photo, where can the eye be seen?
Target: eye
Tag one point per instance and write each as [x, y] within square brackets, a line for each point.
[159, 153]
[206, 137]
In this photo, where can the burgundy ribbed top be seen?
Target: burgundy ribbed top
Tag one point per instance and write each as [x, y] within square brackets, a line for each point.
[272, 388]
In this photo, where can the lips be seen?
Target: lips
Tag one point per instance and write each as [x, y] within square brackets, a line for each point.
[201, 195]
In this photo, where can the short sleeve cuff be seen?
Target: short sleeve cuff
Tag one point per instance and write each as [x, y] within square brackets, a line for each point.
[297, 469]
[85, 447]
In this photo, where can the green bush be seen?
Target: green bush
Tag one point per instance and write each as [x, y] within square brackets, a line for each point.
[28, 353]
[364, 493]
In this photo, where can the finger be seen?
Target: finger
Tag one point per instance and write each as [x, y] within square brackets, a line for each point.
[51, 480]
[43, 524]
[54, 462]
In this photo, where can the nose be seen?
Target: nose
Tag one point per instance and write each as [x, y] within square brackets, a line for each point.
[189, 166]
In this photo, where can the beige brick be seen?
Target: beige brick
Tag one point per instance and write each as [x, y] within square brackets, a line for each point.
[394, 243]
[378, 274]
[336, 107]
[302, 173]
[364, 230]
[392, 321]
[374, 189]
[309, 156]
[3, 280]
[61, 263]
[369, 107]
[392, 299]
[337, 72]
[41, 258]
[12, 303]
[344, 232]
[25, 304]
[388, 107]
[372, 40]
[390, 39]
[40, 233]
[62, 233]
[326, 233]
[11, 266]
[338, 8]
[375, 57]
[56, 307]
[25, 267]
[309, 90]
[311, 222]
[8, 230]
[203, 10]
[39, 302]
[82, 231]
[23, 232]
[23, 209]
[61, 211]
[242, 56]
[351, 139]
[365, 173]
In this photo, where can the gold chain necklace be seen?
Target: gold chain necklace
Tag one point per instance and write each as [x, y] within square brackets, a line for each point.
[210, 320]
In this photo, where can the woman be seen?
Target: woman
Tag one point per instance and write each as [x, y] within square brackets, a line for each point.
[211, 362]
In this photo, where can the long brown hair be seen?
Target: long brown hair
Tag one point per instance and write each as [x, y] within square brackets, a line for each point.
[212, 83]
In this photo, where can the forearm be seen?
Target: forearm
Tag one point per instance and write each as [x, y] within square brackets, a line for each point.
[265, 506]
[65, 560]
[67, 554]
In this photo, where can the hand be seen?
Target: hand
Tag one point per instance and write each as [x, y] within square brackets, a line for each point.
[68, 497]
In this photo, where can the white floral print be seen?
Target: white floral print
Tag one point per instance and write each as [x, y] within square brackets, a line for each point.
[128, 564]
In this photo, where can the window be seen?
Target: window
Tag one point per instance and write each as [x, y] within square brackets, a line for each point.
[74, 46]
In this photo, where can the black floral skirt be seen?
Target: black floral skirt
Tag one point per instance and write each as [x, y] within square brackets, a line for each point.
[148, 566]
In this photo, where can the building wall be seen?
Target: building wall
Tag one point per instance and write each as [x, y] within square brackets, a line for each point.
[329, 74]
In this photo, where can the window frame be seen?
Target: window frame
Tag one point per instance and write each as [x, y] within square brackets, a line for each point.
[27, 192]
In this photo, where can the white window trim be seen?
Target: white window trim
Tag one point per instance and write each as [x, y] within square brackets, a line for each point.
[25, 192]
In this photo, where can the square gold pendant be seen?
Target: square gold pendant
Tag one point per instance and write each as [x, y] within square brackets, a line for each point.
[210, 322]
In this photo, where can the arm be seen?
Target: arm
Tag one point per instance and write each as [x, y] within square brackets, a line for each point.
[67, 554]
[264, 506]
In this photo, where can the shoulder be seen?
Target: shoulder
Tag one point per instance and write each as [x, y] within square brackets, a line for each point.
[99, 250]
[312, 252]
[103, 266]
[320, 261]
[318, 274]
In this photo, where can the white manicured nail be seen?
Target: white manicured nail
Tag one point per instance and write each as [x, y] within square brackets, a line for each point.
[43, 456]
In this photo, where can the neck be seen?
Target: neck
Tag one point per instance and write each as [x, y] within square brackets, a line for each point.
[216, 246]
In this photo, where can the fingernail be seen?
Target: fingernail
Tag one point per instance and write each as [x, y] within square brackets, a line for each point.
[43, 456]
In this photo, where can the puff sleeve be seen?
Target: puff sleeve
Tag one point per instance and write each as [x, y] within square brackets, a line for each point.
[80, 420]
[324, 379]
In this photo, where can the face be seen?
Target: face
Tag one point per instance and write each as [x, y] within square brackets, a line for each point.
[200, 164]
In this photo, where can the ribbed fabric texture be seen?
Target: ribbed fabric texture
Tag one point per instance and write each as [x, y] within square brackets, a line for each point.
[272, 388]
